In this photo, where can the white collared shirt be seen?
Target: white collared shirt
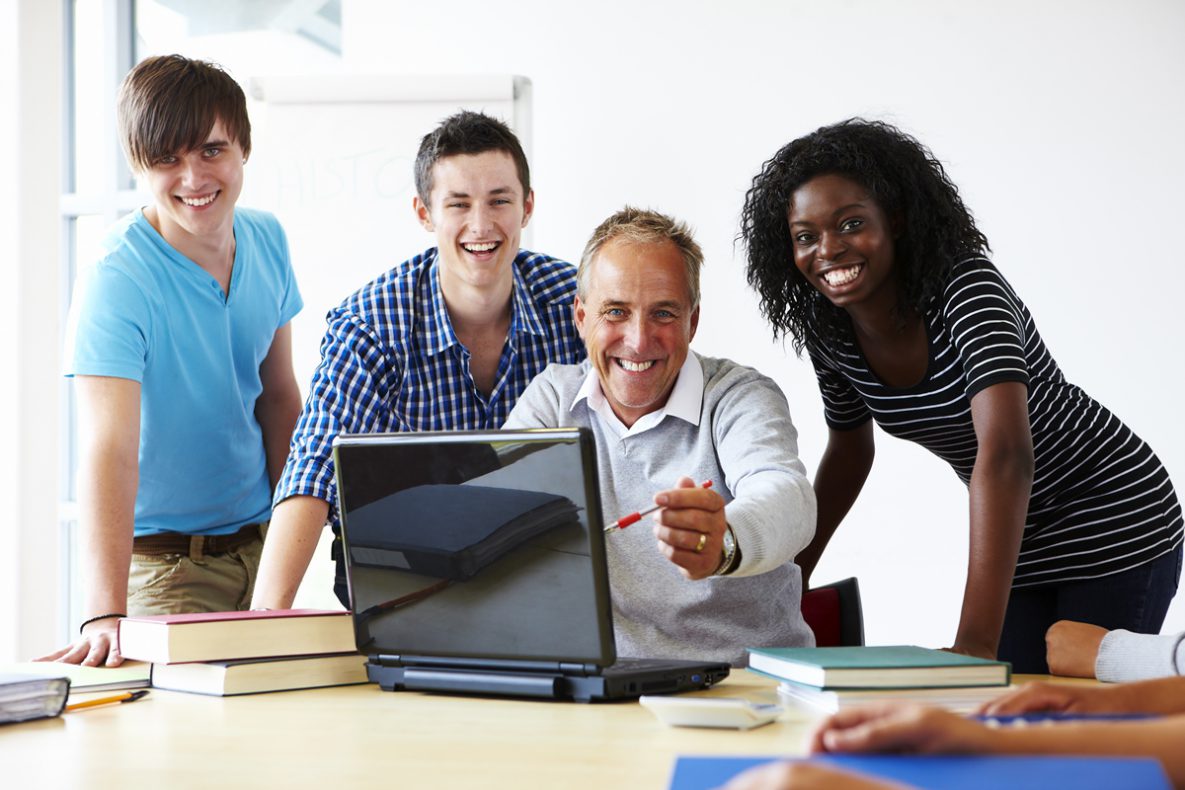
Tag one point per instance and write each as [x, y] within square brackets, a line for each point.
[685, 401]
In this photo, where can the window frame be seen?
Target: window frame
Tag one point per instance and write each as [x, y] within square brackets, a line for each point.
[114, 196]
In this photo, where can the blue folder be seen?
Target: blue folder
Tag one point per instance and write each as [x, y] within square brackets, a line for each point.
[963, 772]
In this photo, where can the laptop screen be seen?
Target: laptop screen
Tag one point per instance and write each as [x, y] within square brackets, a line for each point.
[483, 545]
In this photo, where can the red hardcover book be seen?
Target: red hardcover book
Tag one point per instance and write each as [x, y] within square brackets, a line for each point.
[225, 636]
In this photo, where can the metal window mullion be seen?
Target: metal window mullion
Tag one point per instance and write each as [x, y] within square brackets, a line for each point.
[118, 60]
[116, 196]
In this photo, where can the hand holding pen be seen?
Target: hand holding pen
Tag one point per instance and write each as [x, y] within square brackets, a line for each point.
[637, 515]
[690, 526]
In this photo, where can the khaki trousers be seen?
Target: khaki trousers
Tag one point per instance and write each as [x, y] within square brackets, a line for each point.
[179, 583]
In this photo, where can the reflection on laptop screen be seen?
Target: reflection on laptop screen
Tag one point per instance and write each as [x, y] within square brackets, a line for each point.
[474, 544]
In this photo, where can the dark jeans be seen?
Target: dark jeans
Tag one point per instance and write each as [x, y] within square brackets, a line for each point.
[1135, 600]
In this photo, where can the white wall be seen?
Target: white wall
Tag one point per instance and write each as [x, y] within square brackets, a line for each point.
[29, 302]
[1062, 123]
[9, 613]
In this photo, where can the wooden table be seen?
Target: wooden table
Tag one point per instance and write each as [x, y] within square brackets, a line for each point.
[359, 736]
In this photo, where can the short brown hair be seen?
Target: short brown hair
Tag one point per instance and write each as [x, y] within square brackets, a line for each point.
[643, 226]
[169, 103]
[468, 132]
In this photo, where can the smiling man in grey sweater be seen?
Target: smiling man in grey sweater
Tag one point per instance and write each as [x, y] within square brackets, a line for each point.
[715, 572]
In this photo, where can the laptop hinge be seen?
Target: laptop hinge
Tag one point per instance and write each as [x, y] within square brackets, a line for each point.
[579, 669]
[385, 661]
[582, 670]
[478, 664]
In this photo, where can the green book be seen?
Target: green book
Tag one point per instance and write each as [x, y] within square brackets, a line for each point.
[895, 666]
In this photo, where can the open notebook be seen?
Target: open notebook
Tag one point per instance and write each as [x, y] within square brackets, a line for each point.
[476, 564]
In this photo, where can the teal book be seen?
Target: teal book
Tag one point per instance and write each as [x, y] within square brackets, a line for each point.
[894, 666]
[967, 772]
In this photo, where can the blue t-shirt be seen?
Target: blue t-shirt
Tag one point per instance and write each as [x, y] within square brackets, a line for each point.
[147, 313]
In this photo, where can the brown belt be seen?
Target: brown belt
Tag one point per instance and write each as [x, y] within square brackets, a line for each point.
[194, 545]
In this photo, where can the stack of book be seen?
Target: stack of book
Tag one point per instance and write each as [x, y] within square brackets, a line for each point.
[26, 697]
[827, 679]
[226, 653]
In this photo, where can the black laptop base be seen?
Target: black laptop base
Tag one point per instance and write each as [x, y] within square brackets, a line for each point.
[550, 685]
[510, 609]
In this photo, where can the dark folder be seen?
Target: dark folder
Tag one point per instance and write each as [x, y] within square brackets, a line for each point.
[451, 531]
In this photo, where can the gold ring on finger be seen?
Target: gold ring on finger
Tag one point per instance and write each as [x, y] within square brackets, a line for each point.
[703, 541]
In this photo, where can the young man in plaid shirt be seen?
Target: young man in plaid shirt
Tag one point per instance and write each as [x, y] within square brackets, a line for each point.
[445, 341]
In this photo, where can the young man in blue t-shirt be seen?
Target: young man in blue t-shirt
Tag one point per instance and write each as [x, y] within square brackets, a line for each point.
[180, 350]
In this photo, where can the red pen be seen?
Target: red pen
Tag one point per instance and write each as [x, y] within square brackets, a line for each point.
[634, 518]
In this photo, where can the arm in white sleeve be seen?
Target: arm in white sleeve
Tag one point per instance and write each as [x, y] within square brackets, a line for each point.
[1126, 656]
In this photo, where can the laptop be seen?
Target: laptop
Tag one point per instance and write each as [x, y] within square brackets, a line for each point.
[476, 564]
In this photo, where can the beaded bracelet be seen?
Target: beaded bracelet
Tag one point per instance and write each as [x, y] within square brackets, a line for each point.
[85, 623]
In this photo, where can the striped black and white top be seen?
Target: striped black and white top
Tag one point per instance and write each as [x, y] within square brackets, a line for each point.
[1101, 503]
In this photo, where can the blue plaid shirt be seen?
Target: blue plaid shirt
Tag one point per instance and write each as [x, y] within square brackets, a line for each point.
[390, 361]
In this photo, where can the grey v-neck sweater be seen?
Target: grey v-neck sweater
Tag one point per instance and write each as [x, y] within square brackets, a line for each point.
[747, 445]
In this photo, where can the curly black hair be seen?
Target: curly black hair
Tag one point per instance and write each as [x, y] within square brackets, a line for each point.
[908, 184]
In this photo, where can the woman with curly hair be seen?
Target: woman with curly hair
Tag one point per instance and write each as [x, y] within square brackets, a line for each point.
[862, 251]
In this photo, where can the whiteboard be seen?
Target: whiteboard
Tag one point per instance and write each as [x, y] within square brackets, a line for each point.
[332, 158]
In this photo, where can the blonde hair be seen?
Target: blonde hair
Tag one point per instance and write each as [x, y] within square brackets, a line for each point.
[643, 226]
